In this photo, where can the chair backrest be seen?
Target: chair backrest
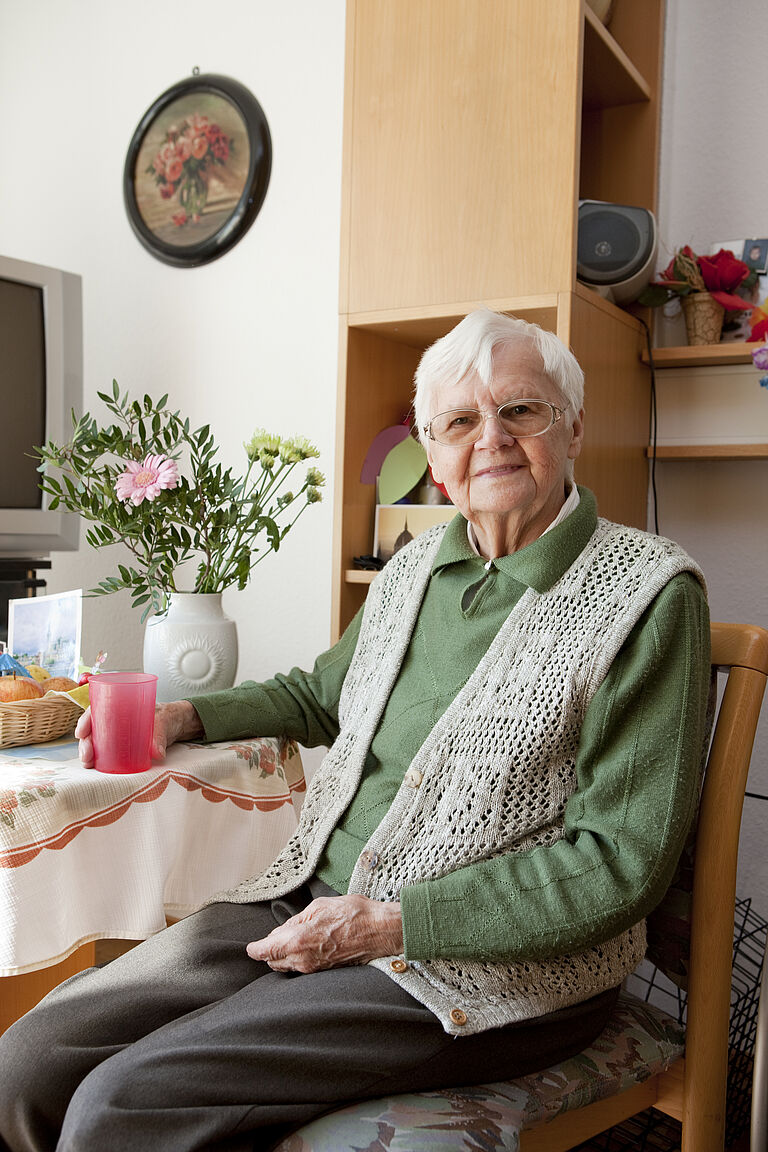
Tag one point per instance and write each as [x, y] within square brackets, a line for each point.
[742, 651]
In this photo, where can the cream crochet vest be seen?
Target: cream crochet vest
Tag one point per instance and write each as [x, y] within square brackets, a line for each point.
[494, 774]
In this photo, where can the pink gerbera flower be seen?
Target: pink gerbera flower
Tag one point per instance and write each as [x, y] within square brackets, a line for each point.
[145, 480]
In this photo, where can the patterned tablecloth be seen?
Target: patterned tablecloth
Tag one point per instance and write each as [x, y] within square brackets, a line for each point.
[88, 856]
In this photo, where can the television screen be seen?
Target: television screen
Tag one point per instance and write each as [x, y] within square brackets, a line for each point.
[23, 391]
[41, 385]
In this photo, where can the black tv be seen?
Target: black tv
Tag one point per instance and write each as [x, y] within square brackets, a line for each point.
[41, 383]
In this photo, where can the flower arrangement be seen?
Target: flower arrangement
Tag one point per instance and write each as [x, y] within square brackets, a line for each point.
[719, 275]
[149, 481]
[184, 162]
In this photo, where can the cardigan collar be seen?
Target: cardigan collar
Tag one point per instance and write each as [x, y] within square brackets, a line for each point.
[539, 565]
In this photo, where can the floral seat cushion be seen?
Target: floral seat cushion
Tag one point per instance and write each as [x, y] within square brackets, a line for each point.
[640, 1041]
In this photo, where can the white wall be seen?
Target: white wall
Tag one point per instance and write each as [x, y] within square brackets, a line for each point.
[713, 180]
[247, 340]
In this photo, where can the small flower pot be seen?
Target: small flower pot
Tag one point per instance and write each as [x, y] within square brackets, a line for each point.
[703, 318]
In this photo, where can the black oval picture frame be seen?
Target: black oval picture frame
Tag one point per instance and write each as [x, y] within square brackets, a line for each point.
[197, 170]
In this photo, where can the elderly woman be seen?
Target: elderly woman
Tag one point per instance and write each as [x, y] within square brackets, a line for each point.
[516, 723]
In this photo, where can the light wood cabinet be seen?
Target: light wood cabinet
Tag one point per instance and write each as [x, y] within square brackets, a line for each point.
[471, 129]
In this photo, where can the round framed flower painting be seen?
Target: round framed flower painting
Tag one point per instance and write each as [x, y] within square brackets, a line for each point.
[197, 170]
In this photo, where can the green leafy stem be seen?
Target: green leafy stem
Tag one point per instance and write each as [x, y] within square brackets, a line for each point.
[223, 523]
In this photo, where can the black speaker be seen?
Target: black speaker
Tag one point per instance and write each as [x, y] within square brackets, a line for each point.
[616, 250]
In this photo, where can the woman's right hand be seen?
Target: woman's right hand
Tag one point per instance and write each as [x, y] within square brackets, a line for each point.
[175, 721]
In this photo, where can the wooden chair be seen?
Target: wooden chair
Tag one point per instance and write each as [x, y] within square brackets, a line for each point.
[643, 1059]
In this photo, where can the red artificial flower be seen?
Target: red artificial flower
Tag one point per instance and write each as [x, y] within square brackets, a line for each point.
[668, 275]
[722, 274]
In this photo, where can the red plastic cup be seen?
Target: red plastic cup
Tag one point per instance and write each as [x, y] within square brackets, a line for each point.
[122, 720]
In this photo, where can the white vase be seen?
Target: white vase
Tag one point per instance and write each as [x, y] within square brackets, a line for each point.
[192, 648]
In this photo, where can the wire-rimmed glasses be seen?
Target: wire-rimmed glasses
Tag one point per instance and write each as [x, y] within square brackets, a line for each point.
[518, 418]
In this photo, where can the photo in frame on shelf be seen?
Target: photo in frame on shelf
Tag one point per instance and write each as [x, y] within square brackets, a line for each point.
[197, 170]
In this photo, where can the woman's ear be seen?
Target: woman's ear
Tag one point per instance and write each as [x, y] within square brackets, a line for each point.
[577, 435]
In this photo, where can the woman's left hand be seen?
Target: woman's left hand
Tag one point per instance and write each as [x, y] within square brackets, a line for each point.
[331, 932]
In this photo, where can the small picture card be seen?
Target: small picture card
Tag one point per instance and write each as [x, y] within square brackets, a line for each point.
[47, 630]
[397, 524]
[755, 255]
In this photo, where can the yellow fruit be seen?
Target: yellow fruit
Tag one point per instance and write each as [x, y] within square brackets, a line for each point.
[38, 673]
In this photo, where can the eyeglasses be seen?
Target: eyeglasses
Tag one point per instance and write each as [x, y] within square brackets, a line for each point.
[518, 418]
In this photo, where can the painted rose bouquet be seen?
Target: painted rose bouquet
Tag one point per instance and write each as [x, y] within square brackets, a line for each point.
[183, 165]
[147, 480]
[719, 275]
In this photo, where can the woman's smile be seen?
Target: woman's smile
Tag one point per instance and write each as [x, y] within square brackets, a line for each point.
[492, 470]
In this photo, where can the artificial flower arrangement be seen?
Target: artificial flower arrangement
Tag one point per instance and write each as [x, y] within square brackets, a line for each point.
[719, 275]
[152, 483]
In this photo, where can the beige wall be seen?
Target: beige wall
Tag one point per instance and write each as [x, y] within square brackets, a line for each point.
[714, 173]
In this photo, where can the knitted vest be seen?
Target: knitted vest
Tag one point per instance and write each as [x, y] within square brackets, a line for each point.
[495, 772]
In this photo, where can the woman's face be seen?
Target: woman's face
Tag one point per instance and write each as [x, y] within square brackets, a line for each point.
[499, 476]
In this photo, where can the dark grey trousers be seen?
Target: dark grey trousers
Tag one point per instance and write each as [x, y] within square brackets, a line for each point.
[186, 1043]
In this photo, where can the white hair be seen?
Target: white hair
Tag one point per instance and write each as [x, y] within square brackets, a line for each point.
[468, 349]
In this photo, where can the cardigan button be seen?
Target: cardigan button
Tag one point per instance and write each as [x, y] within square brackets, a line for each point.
[458, 1016]
[369, 859]
[413, 778]
[398, 965]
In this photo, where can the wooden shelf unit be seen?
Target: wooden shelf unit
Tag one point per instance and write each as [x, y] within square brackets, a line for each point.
[682, 453]
[470, 133]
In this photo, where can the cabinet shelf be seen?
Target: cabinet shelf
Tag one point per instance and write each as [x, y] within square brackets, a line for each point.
[702, 355]
[420, 326]
[358, 576]
[691, 452]
[610, 77]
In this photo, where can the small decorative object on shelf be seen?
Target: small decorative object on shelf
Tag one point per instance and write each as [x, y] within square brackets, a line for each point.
[759, 323]
[760, 360]
[706, 287]
[147, 480]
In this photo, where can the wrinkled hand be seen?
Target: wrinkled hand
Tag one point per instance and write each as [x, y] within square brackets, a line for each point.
[175, 721]
[331, 932]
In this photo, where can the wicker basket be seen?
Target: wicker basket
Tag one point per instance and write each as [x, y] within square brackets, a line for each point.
[35, 721]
